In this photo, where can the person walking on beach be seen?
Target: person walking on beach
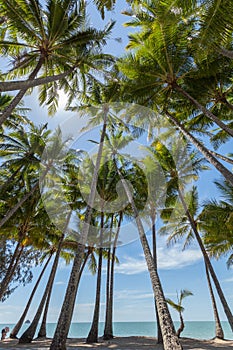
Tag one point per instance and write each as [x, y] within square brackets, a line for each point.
[4, 332]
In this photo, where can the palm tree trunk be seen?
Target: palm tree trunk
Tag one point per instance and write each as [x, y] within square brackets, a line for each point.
[19, 324]
[7, 111]
[207, 262]
[224, 171]
[108, 275]
[42, 332]
[27, 84]
[220, 156]
[204, 110]
[218, 327]
[28, 335]
[108, 330]
[181, 328]
[170, 339]
[63, 325]
[159, 333]
[226, 53]
[93, 333]
[11, 269]
[228, 104]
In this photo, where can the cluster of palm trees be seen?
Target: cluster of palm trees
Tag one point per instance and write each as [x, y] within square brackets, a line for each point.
[178, 67]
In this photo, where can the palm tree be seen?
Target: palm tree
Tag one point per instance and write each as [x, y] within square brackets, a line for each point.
[151, 77]
[216, 222]
[21, 153]
[93, 333]
[172, 170]
[133, 173]
[105, 189]
[170, 340]
[68, 246]
[64, 321]
[19, 324]
[19, 115]
[156, 195]
[108, 328]
[28, 335]
[26, 230]
[51, 39]
[179, 308]
[218, 328]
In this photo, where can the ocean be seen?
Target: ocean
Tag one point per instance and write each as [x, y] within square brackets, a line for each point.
[193, 329]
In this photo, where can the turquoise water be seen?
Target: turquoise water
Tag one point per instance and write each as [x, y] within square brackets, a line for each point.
[199, 330]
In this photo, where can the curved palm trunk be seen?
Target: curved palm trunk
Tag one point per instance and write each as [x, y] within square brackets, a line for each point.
[19, 324]
[181, 328]
[7, 111]
[170, 339]
[228, 104]
[27, 84]
[28, 335]
[108, 329]
[218, 327]
[159, 333]
[208, 263]
[42, 332]
[220, 156]
[204, 110]
[223, 170]
[11, 269]
[63, 325]
[226, 53]
[93, 334]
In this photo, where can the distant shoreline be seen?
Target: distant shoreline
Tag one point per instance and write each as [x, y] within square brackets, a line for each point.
[123, 343]
[193, 329]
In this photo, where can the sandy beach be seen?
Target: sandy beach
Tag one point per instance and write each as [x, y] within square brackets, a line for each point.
[120, 343]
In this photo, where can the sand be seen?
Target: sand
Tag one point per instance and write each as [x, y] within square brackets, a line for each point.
[120, 343]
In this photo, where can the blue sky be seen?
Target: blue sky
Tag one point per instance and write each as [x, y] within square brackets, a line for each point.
[133, 293]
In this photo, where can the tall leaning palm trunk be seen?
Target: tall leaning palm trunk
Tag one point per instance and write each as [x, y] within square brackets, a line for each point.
[29, 83]
[207, 261]
[170, 339]
[64, 321]
[29, 334]
[19, 324]
[42, 331]
[108, 329]
[11, 269]
[222, 169]
[8, 110]
[93, 334]
[218, 328]
[108, 277]
[154, 247]
[204, 110]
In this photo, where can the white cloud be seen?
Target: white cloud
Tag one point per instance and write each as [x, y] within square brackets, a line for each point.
[230, 279]
[60, 283]
[131, 294]
[168, 259]
[174, 257]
